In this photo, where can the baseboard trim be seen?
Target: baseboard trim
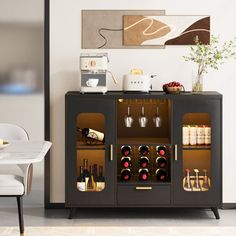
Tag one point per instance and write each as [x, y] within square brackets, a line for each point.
[61, 205]
[227, 206]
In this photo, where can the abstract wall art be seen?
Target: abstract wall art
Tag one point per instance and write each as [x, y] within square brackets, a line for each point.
[104, 28]
[141, 29]
[165, 30]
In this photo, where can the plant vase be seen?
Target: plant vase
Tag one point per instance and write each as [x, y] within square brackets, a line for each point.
[197, 83]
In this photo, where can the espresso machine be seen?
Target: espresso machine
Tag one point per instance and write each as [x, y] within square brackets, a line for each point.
[94, 70]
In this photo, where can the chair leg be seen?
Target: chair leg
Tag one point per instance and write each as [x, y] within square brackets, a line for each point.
[20, 214]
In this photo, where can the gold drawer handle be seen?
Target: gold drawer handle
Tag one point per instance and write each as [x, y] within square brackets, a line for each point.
[143, 188]
[176, 152]
[111, 152]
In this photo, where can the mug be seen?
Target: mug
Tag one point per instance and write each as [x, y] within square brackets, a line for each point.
[92, 82]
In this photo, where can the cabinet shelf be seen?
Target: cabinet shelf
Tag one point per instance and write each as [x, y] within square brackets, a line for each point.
[83, 146]
[135, 181]
[143, 140]
[144, 183]
[197, 147]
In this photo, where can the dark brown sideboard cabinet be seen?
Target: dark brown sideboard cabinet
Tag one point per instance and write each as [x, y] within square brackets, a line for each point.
[143, 150]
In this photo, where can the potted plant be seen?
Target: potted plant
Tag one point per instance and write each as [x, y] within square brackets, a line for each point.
[207, 56]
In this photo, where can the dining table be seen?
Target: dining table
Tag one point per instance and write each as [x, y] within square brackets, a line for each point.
[24, 152]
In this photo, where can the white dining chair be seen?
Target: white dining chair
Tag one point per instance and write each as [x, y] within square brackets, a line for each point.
[15, 185]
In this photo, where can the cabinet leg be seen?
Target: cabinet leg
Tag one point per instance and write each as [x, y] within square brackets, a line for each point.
[72, 213]
[216, 212]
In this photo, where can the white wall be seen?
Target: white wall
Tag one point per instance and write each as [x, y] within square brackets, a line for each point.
[167, 63]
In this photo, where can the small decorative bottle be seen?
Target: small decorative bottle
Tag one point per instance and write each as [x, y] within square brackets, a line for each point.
[196, 184]
[205, 185]
[187, 182]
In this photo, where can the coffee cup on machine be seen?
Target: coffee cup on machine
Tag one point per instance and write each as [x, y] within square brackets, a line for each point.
[93, 82]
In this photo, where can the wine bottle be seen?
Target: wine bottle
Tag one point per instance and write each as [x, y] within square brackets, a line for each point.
[125, 174]
[126, 162]
[161, 174]
[91, 179]
[143, 174]
[144, 161]
[144, 150]
[100, 184]
[81, 181]
[93, 134]
[95, 172]
[161, 162]
[161, 150]
[126, 150]
[86, 173]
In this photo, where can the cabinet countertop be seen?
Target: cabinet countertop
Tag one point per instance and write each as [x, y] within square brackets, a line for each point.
[161, 94]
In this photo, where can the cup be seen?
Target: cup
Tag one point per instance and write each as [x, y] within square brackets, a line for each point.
[92, 82]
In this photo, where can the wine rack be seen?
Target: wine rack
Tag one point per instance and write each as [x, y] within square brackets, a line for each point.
[135, 156]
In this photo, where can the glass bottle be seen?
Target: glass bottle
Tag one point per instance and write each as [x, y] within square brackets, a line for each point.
[187, 183]
[86, 174]
[205, 185]
[91, 179]
[81, 181]
[196, 184]
[100, 179]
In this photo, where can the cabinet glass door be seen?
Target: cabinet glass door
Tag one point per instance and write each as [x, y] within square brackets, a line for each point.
[92, 132]
[197, 135]
[90, 152]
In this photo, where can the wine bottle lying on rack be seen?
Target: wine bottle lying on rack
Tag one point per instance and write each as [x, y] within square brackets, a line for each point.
[126, 162]
[92, 134]
[161, 150]
[144, 161]
[161, 162]
[126, 150]
[144, 150]
[161, 174]
[143, 174]
[125, 174]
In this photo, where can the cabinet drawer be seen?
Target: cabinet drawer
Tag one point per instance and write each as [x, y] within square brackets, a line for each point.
[145, 195]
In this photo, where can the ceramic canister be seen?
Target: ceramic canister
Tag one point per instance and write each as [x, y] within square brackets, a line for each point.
[193, 140]
[193, 130]
[186, 140]
[185, 130]
[201, 140]
[207, 130]
[201, 130]
[207, 140]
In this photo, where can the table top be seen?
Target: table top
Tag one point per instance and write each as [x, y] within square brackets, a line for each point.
[24, 152]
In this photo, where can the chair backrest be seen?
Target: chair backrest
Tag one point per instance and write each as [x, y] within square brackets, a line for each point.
[12, 132]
